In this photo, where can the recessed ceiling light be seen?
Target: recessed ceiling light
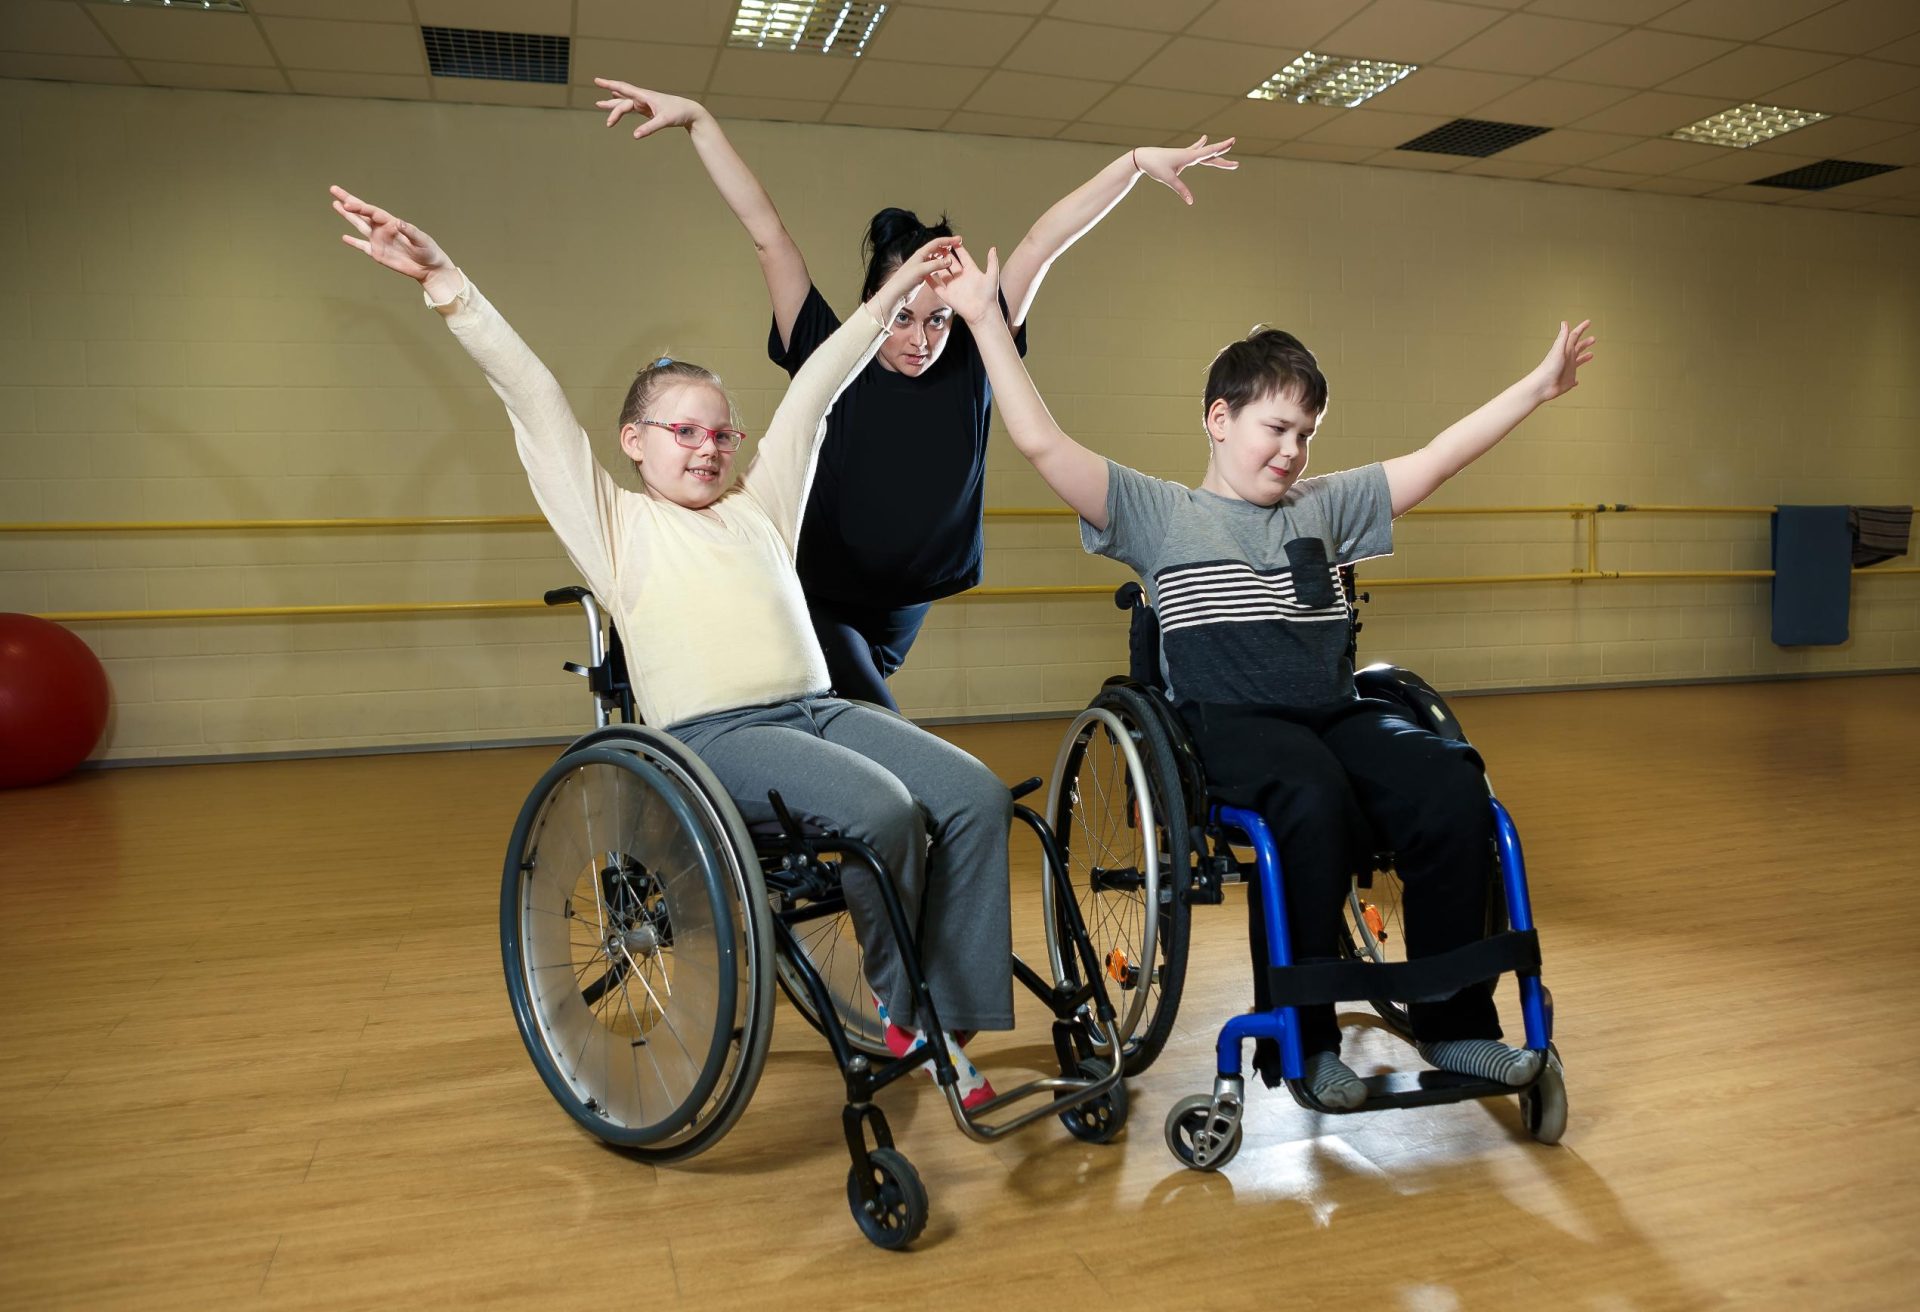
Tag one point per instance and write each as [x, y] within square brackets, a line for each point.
[224, 6]
[1743, 125]
[1331, 80]
[830, 27]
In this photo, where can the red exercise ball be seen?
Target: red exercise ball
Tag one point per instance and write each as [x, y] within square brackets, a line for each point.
[53, 700]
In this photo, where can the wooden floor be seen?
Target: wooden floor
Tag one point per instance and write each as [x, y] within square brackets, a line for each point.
[257, 1050]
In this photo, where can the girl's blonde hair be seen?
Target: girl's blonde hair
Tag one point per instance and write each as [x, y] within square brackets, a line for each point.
[661, 374]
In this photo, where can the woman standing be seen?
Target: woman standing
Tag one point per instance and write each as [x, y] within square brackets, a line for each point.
[894, 518]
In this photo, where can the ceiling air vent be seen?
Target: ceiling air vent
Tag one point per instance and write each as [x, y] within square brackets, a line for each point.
[1472, 136]
[500, 56]
[1825, 173]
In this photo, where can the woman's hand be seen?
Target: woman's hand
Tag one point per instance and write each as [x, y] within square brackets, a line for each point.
[658, 109]
[973, 292]
[1164, 164]
[390, 240]
[1559, 372]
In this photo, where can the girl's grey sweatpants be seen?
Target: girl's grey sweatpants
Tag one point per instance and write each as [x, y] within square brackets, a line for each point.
[874, 776]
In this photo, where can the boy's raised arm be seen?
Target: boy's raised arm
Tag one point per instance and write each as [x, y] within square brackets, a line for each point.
[1413, 478]
[1076, 475]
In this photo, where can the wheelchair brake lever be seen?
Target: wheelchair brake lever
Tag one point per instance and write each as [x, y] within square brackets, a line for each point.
[575, 667]
[1025, 786]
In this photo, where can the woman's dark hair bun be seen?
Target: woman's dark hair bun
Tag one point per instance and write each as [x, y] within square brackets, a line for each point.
[892, 235]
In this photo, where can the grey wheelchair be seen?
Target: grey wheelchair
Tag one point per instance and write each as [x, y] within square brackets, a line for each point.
[1142, 842]
[644, 927]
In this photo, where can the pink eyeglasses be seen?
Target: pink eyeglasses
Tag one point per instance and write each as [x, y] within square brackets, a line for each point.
[694, 436]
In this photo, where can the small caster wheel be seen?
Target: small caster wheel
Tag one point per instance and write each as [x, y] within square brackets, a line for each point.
[1101, 1119]
[1543, 1104]
[1189, 1139]
[898, 1212]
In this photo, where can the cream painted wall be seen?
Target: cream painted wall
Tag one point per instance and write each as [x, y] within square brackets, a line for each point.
[185, 338]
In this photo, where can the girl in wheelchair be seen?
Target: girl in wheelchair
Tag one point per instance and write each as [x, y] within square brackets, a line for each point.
[698, 574]
[1244, 573]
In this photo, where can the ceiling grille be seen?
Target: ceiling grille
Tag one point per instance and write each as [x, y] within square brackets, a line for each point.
[1472, 136]
[499, 56]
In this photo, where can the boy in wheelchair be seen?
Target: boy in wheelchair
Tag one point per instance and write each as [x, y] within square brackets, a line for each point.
[1254, 624]
[698, 572]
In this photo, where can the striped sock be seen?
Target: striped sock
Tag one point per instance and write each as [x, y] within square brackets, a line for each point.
[1485, 1058]
[1332, 1081]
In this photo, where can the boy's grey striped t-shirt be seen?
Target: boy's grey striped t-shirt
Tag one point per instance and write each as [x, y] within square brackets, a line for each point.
[1249, 597]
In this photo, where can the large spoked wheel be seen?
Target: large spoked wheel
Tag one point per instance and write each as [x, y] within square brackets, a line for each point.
[636, 938]
[898, 1212]
[836, 954]
[1375, 926]
[1120, 819]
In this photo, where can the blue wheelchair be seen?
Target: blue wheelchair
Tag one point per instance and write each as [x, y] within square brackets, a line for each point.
[1143, 842]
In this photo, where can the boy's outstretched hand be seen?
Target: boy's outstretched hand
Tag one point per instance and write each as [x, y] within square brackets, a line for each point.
[389, 239]
[1559, 372]
[973, 292]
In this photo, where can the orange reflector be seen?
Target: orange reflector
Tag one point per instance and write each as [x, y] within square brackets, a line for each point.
[1376, 923]
[1117, 966]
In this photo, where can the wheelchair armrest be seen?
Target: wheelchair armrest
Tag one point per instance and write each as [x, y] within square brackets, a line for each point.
[1393, 684]
[566, 596]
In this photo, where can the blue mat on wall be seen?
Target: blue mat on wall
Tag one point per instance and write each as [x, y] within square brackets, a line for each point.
[1812, 575]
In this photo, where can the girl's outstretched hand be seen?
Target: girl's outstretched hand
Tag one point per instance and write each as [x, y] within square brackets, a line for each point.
[1559, 372]
[1164, 164]
[657, 109]
[973, 292]
[389, 239]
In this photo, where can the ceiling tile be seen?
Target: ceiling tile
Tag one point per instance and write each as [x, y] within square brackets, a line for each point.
[1103, 132]
[1190, 63]
[1032, 96]
[1567, 147]
[1275, 120]
[1901, 150]
[369, 86]
[927, 37]
[1301, 23]
[1836, 138]
[1407, 31]
[192, 37]
[1155, 15]
[1742, 166]
[1910, 209]
[1451, 91]
[1528, 43]
[1100, 52]
[486, 91]
[1371, 127]
[762, 73]
[1852, 27]
[992, 6]
[1003, 125]
[1750, 73]
[210, 77]
[682, 69]
[1658, 156]
[1901, 52]
[350, 11]
[1320, 150]
[43, 27]
[69, 68]
[1630, 12]
[547, 17]
[1652, 113]
[904, 117]
[1551, 104]
[1506, 168]
[1849, 85]
[1757, 195]
[768, 107]
[684, 22]
[1837, 199]
[1674, 186]
[1643, 59]
[911, 86]
[1424, 161]
[1162, 111]
[1736, 20]
[1903, 108]
[346, 47]
[1585, 177]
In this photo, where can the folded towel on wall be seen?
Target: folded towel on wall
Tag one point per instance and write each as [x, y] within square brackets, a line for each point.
[1879, 532]
[1812, 575]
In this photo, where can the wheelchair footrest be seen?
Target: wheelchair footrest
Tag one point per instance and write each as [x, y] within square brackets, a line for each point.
[1409, 1089]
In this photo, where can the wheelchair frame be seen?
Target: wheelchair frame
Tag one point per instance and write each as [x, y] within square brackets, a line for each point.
[798, 868]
